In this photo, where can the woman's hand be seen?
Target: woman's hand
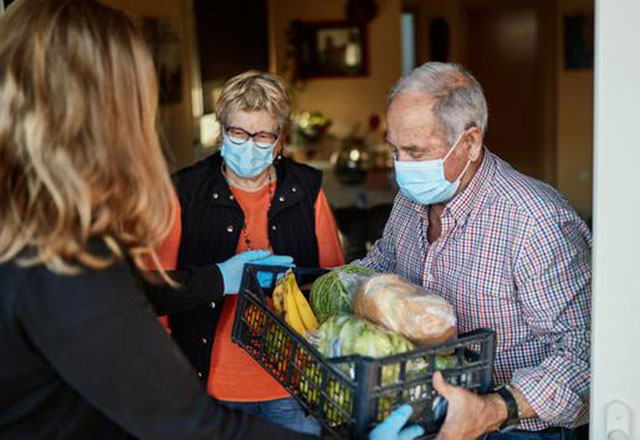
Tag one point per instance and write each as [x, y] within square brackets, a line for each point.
[232, 269]
[391, 427]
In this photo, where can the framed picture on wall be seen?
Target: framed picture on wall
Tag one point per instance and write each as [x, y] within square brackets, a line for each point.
[578, 41]
[331, 49]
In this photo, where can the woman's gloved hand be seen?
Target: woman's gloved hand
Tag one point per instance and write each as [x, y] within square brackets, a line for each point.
[391, 427]
[232, 269]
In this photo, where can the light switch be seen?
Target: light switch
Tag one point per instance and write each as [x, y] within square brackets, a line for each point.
[618, 421]
[617, 435]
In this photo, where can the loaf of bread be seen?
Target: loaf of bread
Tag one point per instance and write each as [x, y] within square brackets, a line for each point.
[400, 306]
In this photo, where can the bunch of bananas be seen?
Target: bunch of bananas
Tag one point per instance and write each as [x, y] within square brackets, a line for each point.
[289, 302]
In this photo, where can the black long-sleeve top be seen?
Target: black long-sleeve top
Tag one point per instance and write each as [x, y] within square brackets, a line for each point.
[84, 356]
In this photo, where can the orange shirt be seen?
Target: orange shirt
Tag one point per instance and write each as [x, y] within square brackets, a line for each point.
[234, 375]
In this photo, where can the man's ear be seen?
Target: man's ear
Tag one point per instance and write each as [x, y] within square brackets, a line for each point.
[474, 140]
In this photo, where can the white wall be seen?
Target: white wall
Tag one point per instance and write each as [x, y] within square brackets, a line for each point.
[616, 348]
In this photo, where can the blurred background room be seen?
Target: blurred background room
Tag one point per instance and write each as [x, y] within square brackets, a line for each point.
[534, 59]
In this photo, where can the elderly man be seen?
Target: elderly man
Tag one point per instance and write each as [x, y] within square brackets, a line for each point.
[504, 249]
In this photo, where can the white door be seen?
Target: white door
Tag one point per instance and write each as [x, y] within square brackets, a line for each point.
[615, 412]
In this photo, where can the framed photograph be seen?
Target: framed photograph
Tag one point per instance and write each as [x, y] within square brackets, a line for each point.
[578, 41]
[331, 49]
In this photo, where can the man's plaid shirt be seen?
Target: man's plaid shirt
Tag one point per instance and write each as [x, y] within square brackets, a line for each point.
[515, 257]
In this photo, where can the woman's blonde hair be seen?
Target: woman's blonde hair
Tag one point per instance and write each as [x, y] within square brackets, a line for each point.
[256, 91]
[80, 158]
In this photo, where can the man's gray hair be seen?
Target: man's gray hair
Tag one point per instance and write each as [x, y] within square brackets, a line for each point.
[459, 102]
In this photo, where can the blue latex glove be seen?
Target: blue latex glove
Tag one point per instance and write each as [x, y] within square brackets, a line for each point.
[391, 427]
[232, 269]
[265, 278]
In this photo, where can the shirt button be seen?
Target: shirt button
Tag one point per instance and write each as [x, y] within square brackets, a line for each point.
[230, 228]
[231, 197]
[281, 198]
[430, 278]
[274, 227]
[215, 195]
[294, 189]
[204, 341]
[212, 305]
[200, 375]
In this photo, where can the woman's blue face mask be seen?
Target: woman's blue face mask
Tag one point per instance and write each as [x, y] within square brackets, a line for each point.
[424, 181]
[246, 159]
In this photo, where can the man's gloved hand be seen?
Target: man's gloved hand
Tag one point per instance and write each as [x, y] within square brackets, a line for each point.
[391, 427]
[232, 269]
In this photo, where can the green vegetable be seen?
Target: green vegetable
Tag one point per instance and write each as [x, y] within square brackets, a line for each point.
[332, 293]
[346, 335]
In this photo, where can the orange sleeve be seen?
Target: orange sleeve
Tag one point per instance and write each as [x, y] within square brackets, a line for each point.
[329, 248]
[167, 252]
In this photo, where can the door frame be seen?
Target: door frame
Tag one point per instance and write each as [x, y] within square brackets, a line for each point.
[615, 358]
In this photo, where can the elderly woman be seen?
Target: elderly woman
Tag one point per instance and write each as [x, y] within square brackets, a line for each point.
[247, 197]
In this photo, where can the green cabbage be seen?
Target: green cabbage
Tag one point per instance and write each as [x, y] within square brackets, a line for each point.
[346, 335]
[332, 293]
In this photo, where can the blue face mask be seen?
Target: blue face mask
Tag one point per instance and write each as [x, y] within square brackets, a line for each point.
[424, 181]
[247, 160]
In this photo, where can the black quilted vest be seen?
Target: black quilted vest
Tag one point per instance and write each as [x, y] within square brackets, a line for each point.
[211, 225]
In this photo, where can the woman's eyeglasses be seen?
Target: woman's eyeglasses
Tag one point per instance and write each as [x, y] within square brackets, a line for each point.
[262, 139]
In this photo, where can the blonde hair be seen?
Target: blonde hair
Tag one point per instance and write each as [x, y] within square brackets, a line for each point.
[80, 158]
[256, 91]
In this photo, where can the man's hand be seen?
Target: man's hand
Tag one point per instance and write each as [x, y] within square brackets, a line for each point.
[468, 415]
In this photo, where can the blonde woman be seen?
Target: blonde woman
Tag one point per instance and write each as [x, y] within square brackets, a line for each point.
[247, 197]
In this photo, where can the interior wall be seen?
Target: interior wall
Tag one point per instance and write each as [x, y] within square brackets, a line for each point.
[571, 132]
[348, 101]
[176, 119]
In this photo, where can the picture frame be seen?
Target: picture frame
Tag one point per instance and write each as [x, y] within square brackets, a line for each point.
[578, 41]
[326, 49]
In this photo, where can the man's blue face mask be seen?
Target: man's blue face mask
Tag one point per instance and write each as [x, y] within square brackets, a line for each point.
[246, 159]
[424, 181]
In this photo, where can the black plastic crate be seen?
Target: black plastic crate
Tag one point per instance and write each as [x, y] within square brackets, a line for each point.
[347, 394]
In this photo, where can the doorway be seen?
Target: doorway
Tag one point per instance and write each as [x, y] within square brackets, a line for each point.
[510, 50]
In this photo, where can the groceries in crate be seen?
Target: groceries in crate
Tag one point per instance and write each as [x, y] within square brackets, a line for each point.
[402, 307]
[291, 304]
[390, 308]
[332, 293]
[352, 371]
[350, 335]
[346, 335]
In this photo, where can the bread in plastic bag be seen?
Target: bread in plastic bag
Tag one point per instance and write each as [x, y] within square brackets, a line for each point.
[402, 307]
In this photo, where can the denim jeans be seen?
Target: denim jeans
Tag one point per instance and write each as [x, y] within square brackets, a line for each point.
[286, 412]
[562, 434]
